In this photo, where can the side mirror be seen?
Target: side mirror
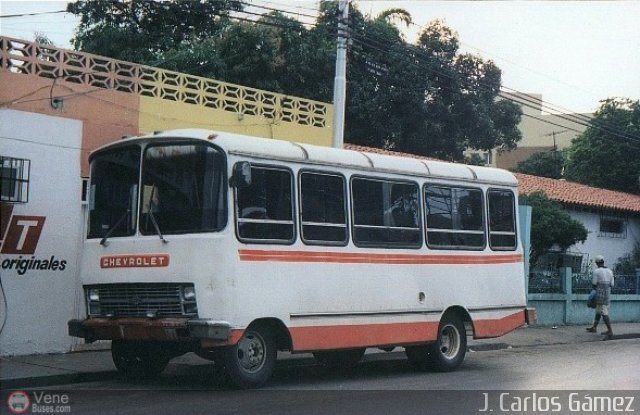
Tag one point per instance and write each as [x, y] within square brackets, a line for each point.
[241, 175]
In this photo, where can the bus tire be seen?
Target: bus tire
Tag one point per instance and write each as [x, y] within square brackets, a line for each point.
[251, 362]
[137, 360]
[339, 359]
[448, 352]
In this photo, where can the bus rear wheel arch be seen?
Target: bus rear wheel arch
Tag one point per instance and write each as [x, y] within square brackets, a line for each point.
[447, 352]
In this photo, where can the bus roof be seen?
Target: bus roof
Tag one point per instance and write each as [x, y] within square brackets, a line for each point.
[272, 149]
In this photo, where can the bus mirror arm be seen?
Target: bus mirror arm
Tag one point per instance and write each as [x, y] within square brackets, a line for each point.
[241, 177]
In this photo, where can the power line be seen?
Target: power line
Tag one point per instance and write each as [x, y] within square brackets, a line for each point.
[283, 21]
[296, 6]
[544, 105]
[7, 16]
[378, 45]
[511, 94]
[283, 11]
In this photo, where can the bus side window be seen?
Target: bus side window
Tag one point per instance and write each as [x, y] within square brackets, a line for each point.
[264, 209]
[502, 223]
[454, 218]
[386, 213]
[323, 209]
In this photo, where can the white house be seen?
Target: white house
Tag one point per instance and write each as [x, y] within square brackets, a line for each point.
[612, 218]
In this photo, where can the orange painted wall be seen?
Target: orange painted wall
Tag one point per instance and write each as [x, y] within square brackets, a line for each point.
[106, 114]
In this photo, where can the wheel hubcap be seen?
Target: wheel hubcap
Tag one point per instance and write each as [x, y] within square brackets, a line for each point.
[251, 352]
[449, 342]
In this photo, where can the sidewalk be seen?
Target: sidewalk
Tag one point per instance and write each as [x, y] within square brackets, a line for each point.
[56, 369]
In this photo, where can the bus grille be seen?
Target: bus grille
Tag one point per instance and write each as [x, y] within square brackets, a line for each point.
[141, 300]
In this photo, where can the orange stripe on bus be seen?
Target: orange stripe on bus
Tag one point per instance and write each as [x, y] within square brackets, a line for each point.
[364, 335]
[313, 338]
[484, 329]
[256, 255]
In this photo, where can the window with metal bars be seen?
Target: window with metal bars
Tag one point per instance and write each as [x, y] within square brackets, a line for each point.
[14, 179]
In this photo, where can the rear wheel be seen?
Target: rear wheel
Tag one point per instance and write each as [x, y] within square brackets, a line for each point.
[250, 363]
[448, 352]
[138, 360]
[339, 359]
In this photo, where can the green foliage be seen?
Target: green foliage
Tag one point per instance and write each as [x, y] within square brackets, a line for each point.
[602, 159]
[545, 164]
[551, 225]
[628, 263]
[42, 39]
[425, 99]
[138, 30]
[474, 159]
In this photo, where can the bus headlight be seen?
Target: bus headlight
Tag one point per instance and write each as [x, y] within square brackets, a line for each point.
[189, 293]
[93, 294]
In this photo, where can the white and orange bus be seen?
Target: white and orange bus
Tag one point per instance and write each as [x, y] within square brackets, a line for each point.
[236, 247]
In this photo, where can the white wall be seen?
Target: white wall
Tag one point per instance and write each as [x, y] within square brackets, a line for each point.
[610, 248]
[40, 302]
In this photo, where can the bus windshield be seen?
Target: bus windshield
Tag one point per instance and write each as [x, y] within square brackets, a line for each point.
[182, 190]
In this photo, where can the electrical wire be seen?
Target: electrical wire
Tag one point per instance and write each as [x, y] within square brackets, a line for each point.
[6, 306]
[574, 118]
[520, 98]
[7, 16]
[296, 6]
[283, 11]
[379, 46]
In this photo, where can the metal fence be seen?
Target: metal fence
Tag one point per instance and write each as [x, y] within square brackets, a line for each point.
[551, 281]
[547, 280]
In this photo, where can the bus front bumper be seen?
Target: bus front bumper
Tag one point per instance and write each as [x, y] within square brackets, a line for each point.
[162, 329]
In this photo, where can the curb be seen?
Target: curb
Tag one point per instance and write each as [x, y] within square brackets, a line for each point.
[53, 380]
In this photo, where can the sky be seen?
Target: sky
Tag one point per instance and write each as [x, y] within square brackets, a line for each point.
[574, 53]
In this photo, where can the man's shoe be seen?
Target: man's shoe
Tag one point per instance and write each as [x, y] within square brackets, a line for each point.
[591, 329]
[608, 334]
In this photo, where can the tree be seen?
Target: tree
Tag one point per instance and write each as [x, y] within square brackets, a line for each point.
[43, 39]
[475, 159]
[425, 99]
[138, 30]
[551, 225]
[628, 263]
[607, 154]
[544, 164]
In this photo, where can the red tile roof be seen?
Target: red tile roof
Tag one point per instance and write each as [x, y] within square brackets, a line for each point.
[579, 194]
[558, 190]
[374, 150]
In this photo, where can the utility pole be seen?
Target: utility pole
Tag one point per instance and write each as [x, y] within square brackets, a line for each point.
[553, 134]
[340, 81]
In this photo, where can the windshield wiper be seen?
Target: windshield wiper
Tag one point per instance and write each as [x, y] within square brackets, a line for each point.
[103, 241]
[155, 225]
[153, 217]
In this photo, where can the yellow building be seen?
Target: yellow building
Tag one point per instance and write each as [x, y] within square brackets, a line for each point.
[541, 132]
[114, 98]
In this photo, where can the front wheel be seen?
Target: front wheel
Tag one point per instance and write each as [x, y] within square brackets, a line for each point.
[251, 362]
[137, 359]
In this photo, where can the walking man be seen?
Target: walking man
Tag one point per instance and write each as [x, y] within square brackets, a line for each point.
[602, 282]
